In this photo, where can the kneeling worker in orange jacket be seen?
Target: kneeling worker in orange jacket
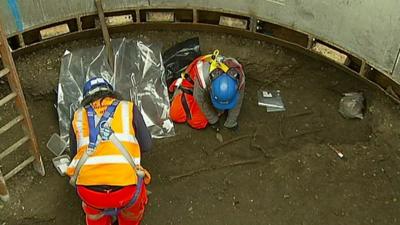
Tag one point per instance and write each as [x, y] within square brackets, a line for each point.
[210, 85]
[107, 137]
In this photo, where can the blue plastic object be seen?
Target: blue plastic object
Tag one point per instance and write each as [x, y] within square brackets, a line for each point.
[224, 92]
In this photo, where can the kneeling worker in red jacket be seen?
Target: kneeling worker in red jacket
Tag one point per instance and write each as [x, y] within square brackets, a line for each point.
[210, 85]
[107, 137]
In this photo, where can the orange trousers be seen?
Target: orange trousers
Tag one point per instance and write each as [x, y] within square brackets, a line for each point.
[93, 202]
[184, 108]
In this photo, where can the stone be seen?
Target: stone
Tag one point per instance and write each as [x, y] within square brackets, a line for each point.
[286, 196]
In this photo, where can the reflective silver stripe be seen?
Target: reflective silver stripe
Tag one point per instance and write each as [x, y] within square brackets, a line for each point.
[126, 138]
[96, 120]
[95, 216]
[201, 74]
[122, 137]
[105, 159]
[92, 216]
[125, 117]
[82, 142]
[79, 123]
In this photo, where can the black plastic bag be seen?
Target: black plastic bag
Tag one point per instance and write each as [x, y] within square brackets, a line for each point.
[177, 58]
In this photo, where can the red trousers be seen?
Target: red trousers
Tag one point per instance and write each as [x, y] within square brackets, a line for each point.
[184, 108]
[93, 201]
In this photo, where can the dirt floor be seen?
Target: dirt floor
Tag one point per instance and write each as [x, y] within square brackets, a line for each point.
[294, 177]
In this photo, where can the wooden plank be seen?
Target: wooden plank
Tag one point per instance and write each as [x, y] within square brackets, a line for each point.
[331, 53]
[4, 72]
[13, 147]
[54, 31]
[11, 124]
[160, 17]
[8, 98]
[19, 167]
[233, 22]
[4, 195]
[119, 20]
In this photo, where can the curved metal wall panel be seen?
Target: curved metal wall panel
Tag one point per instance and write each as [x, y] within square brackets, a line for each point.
[365, 28]
[7, 18]
[35, 13]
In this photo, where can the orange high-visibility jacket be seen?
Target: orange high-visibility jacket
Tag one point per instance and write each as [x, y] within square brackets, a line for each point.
[107, 166]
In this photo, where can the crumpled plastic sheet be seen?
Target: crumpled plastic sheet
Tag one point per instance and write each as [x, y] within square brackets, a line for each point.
[138, 75]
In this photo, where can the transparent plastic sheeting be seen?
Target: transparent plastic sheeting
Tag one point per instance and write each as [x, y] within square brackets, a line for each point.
[138, 75]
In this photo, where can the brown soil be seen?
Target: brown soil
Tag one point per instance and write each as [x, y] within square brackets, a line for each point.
[298, 180]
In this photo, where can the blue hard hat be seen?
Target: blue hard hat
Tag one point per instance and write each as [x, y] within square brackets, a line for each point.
[96, 84]
[224, 92]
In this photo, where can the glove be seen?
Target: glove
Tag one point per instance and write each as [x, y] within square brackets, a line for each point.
[216, 126]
